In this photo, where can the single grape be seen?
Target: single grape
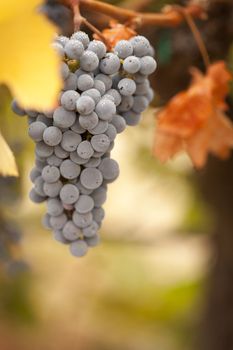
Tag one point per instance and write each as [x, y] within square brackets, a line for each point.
[54, 207]
[82, 189]
[108, 97]
[70, 141]
[82, 37]
[53, 189]
[36, 130]
[148, 65]
[150, 95]
[50, 174]
[58, 236]
[92, 241]
[70, 231]
[74, 49]
[38, 186]
[58, 48]
[116, 96]
[93, 163]
[140, 104]
[109, 169]
[62, 39]
[105, 79]
[126, 103]
[98, 154]
[52, 136]
[80, 72]
[60, 152]
[91, 230]
[139, 78]
[110, 64]
[45, 120]
[93, 93]
[100, 128]
[82, 220]
[132, 64]
[91, 178]
[69, 194]
[89, 121]
[71, 82]
[40, 164]
[123, 48]
[58, 222]
[100, 86]
[46, 222]
[64, 70]
[142, 89]
[99, 196]
[111, 132]
[76, 127]
[43, 150]
[105, 109]
[89, 61]
[35, 172]
[115, 80]
[84, 204]
[131, 118]
[69, 170]
[69, 99]
[31, 113]
[63, 118]
[119, 123]
[100, 143]
[98, 48]
[54, 160]
[76, 159]
[35, 197]
[98, 214]
[127, 87]
[17, 109]
[141, 45]
[85, 82]
[85, 150]
[85, 105]
[79, 248]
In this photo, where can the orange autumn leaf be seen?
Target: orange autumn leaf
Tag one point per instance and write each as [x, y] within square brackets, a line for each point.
[194, 120]
[116, 32]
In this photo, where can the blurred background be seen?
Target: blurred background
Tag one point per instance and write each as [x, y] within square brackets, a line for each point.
[163, 276]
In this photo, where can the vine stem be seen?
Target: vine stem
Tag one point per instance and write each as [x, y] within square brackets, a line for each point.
[169, 17]
[197, 36]
[96, 31]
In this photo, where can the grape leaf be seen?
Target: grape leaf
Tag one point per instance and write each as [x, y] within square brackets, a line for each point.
[195, 121]
[116, 32]
[28, 64]
[8, 165]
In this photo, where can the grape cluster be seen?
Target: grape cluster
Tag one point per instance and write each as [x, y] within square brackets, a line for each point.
[103, 92]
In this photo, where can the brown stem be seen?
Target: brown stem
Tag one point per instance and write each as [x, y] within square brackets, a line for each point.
[168, 18]
[77, 17]
[95, 30]
[196, 34]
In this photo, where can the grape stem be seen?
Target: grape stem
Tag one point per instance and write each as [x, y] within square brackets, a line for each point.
[169, 17]
[78, 20]
[197, 35]
[96, 31]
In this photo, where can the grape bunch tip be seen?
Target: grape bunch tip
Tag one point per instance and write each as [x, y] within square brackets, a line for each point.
[73, 143]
